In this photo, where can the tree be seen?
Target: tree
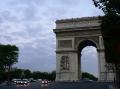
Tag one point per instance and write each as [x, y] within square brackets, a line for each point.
[110, 26]
[27, 73]
[44, 75]
[2, 73]
[16, 73]
[108, 6]
[53, 75]
[89, 76]
[8, 57]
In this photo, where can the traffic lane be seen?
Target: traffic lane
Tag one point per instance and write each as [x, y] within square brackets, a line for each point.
[35, 85]
[78, 86]
[70, 86]
[67, 85]
[62, 85]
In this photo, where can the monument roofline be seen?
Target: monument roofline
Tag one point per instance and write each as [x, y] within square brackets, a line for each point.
[77, 19]
[78, 22]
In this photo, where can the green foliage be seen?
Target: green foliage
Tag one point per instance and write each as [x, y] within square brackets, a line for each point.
[3, 75]
[16, 73]
[44, 75]
[53, 75]
[89, 76]
[111, 34]
[8, 54]
[22, 73]
[108, 6]
[27, 73]
[110, 26]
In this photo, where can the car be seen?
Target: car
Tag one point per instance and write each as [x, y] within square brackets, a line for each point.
[87, 80]
[15, 80]
[23, 82]
[39, 80]
[45, 81]
[18, 81]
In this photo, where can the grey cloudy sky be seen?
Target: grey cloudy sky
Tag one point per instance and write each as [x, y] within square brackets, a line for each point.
[29, 23]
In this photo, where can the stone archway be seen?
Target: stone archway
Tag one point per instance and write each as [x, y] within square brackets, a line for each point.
[81, 46]
[74, 34]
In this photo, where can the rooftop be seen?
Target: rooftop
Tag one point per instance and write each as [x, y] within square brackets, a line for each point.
[77, 19]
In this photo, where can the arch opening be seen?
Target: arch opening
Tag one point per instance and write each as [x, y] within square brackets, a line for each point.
[87, 58]
[86, 43]
[89, 61]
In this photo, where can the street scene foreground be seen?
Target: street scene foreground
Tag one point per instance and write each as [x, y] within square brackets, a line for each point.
[62, 85]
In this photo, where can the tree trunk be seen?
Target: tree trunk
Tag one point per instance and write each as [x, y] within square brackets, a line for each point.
[9, 75]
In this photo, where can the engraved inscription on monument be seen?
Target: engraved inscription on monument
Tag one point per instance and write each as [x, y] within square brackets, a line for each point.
[64, 63]
[64, 43]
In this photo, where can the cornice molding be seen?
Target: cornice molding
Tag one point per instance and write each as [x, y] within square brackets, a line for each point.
[66, 51]
[76, 29]
[77, 20]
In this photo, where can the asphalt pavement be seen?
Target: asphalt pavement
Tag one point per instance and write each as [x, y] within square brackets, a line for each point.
[61, 85]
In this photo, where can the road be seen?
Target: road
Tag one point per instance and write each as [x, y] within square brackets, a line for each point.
[62, 85]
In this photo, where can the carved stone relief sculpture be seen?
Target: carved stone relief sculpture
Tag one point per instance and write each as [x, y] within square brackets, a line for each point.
[64, 64]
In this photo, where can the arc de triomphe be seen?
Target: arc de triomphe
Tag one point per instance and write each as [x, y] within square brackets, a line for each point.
[72, 35]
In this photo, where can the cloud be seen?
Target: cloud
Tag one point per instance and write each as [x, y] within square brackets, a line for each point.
[29, 23]
[37, 58]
